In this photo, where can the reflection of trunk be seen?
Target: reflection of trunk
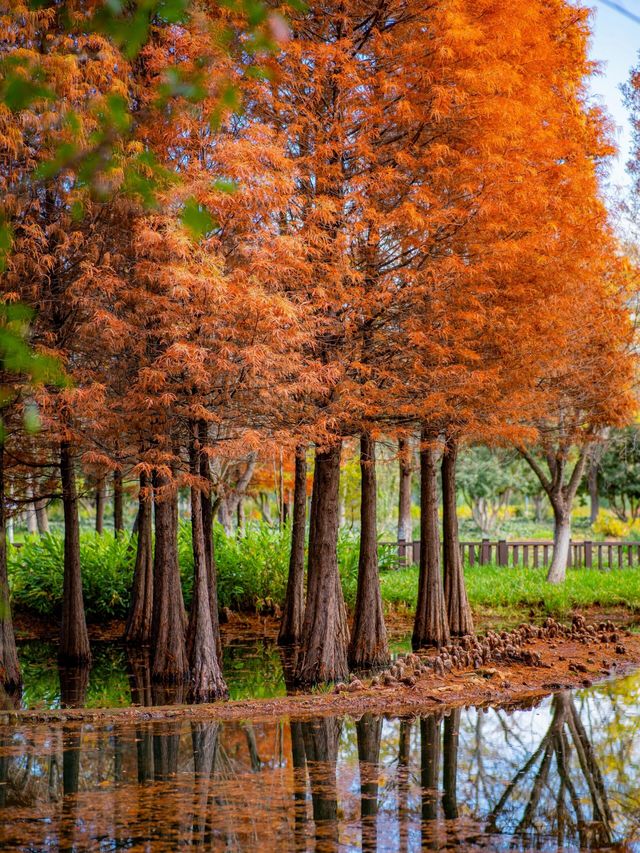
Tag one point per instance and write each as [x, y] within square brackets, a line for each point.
[118, 506]
[299, 763]
[404, 812]
[430, 626]
[369, 731]
[405, 526]
[170, 663]
[321, 738]
[10, 677]
[138, 630]
[204, 738]
[166, 750]
[430, 765]
[293, 612]
[100, 499]
[450, 740]
[207, 682]
[139, 672]
[458, 610]
[368, 646]
[74, 639]
[325, 635]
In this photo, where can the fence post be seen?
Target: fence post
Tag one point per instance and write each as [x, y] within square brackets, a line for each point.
[503, 553]
[484, 552]
[588, 554]
[402, 552]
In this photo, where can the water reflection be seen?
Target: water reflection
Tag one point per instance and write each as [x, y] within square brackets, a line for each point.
[562, 775]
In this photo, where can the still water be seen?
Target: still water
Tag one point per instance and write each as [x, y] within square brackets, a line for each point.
[564, 774]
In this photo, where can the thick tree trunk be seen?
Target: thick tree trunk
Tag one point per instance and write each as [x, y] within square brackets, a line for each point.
[207, 682]
[561, 541]
[170, 663]
[74, 639]
[325, 635]
[10, 677]
[42, 516]
[118, 503]
[594, 495]
[458, 610]
[139, 622]
[405, 524]
[293, 613]
[431, 625]
[368, 647]
[207, 526]
[100, 495]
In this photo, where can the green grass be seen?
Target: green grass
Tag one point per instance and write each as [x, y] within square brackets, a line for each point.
[519, 589]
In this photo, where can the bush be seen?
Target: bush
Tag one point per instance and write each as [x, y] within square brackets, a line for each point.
[36, 574]
[610, 527]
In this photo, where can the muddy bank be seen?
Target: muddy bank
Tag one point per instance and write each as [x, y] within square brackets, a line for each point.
[498, 669]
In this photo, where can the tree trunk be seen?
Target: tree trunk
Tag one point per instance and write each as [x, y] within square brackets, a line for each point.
[561, 540]
[207, 525]
[30, 512]
[170, 663]
[325, 635]
[42, 517]
[368, 647]
[431, 626]
[594, 494]
[429, 767]
[207, 682]
[10, 677]
[293, 613]
[458, 610]
[405, 524]
[100, 506]
[118, 504]
[74, 639]
[139, 622]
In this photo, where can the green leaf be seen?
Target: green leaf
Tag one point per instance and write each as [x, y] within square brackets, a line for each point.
[196, 219]
[19, 92]
[225, 185]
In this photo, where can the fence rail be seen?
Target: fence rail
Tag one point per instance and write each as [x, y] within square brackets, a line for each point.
[533, 553]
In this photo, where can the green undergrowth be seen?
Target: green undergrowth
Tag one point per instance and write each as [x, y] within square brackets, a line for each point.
[252, 575]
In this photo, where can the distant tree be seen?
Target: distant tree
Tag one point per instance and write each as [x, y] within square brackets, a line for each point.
[619, 473]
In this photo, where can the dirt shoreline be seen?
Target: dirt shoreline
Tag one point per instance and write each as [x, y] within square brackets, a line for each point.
[557, 662]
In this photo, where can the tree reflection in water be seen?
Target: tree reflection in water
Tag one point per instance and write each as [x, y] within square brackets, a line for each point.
[561, 775]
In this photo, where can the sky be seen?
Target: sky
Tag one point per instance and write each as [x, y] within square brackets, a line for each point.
[616, 44]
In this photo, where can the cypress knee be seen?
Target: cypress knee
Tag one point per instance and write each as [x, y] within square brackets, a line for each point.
[368, 647]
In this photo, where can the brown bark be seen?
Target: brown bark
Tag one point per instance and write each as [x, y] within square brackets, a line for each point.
[118, 503]
[139, 622]
[170, 663]
[100, 496]
[325, 634]
[293, 611]
[431, 625]
[458, 609]
[74, 639]
[405, 524]
[42, 516]
[207, 682]
[207, 525]
[10, 677]
[368, 647]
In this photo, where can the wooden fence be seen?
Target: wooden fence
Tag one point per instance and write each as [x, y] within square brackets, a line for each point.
[609, 554]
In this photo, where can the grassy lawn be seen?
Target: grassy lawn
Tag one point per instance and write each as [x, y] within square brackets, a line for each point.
[518, 589]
